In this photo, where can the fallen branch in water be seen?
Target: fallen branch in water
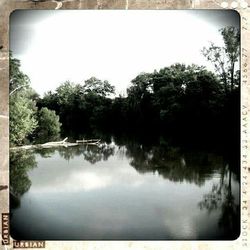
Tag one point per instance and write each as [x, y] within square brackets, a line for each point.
[58, 143]
[90, 141]
[45, 145]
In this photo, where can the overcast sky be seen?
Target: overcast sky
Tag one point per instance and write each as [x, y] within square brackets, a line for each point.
[114, 45]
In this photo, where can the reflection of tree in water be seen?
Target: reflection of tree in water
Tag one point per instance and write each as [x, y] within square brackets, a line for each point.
[173, 164]
[221, 198]
[21, 162]
[194, 167]
[69, 152]
[45, 152]
[94, 154]
[91, 153]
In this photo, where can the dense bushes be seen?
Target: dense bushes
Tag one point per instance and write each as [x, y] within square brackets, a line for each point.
[48, 125]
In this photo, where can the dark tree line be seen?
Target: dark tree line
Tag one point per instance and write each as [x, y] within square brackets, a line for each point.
[181, 101]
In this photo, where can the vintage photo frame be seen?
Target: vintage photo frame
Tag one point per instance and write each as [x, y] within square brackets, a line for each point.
[8, 6]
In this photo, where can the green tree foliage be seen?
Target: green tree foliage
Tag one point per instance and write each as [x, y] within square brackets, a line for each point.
[66, 93]
[26, 122]
[139, 100]
[81, 107]
[17, 78]
[179, 100]
[225, 58]
[98, 87]
[179, 97]
[22, 105]
[226, 62]
[22, 119]
[48, 125]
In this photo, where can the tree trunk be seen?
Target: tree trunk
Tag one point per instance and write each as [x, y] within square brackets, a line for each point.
[232, 77]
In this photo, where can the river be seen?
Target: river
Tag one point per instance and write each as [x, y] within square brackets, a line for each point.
[123, 191]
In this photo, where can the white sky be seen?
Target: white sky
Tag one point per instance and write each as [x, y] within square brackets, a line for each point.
[113, 45]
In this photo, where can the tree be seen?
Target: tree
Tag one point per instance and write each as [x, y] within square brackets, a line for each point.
[139, 102]
[168, 86]
[22, 119]
[141, 86]
[22, 104]
[48, 125]
[98, 87]
[17, 78]
[184, 96]
[49, 100]
[65, 93]
[226, 59]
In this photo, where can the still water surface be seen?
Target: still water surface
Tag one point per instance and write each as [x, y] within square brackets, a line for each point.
[129, 191]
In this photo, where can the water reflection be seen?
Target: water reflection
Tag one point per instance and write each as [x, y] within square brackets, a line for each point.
[221, 198]
[173, 164]
[124, 190]
[21, 162]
